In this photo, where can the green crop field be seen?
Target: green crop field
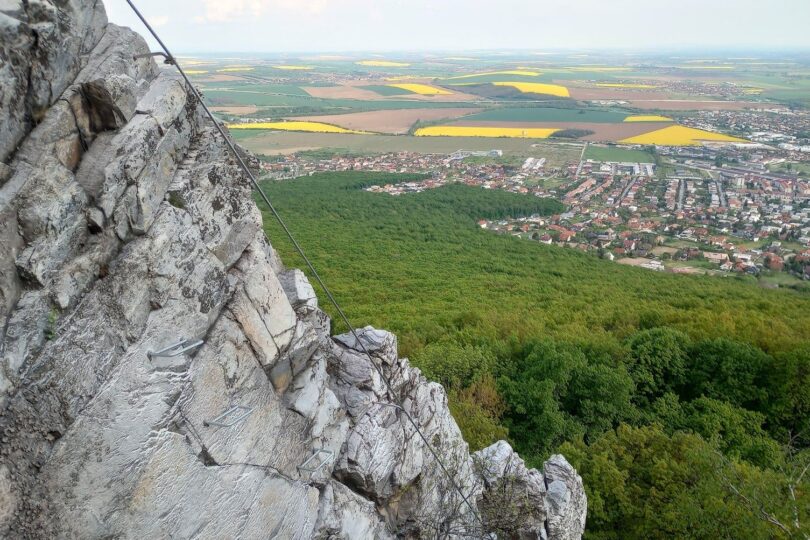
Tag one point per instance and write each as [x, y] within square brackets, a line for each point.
[261, 99]
[255, 88]
[549, 114]
[614, 153]
[798, 95]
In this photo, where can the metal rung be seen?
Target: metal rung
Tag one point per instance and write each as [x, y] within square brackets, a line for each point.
[166, 59]
[181, 347]
[328, 455]
[231, 417]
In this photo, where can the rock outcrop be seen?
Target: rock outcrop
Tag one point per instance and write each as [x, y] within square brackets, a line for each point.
[526, 503]
[125, 229]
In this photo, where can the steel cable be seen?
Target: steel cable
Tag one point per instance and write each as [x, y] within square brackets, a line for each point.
[191, 88]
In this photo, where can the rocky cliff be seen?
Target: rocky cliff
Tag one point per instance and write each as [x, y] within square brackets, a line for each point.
[125, 228]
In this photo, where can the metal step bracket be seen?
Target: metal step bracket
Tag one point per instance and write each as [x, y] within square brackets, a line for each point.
[166, 58]
[231, 417]
[325, 457]
[181, 347]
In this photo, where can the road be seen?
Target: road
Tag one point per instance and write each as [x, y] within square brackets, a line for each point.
[581, 157]
[740, 171]
[626, 190]
[720, 193]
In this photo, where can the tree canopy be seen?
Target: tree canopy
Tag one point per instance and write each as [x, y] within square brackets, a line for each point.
[683, 401]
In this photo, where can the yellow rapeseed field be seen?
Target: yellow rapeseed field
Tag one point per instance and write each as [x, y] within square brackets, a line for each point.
[680, 136]
[196, 71]
[626, 85]
[537, 88]
[381, 63]
[518, 72]
[292, 68]
[313, 127]
[474, 131]
[648, 118]
[422, 89]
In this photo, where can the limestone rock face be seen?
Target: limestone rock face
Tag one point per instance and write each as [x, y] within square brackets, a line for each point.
[566, 504]
[43, 45]
[126, 229]
[526, 503]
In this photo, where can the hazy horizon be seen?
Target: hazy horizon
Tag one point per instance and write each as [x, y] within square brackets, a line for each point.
[345, 26]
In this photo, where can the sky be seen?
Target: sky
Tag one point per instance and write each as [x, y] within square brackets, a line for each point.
[282, 26]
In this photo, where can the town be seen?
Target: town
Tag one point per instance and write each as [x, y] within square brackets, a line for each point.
[709, 209]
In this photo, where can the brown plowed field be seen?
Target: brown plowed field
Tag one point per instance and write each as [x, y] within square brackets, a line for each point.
[352, 90]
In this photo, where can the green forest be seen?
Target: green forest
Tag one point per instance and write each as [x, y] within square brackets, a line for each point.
[683, 401]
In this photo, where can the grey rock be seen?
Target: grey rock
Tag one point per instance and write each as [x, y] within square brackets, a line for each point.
[311, 334]
[27, 329]
[385, 458]
[8, 502]
[513, 498]
[43, 190]
[379, 343]
[299, 292]
[95, 218]
[262, 310]
[518, 502]
[125, 227]
[5, 173]
[43, 46]
[344, 515]
[153, 181]
[566, 503]
[11, 244]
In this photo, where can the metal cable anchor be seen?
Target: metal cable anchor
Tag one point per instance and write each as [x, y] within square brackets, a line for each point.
[328, 455]
[166, 58]
[181, 347]
[227, 419]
